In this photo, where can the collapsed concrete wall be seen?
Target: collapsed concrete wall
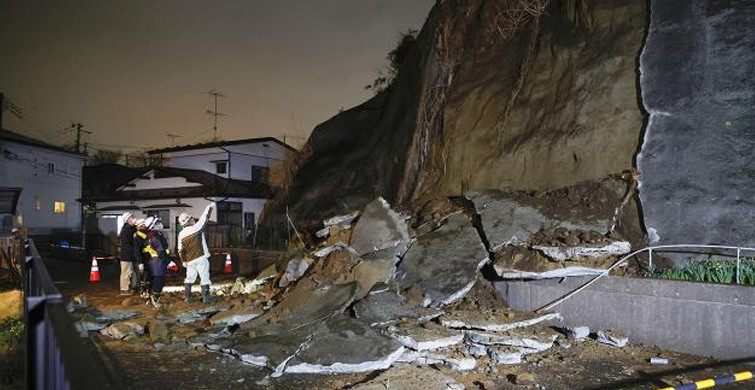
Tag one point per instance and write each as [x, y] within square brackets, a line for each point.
[697, 86]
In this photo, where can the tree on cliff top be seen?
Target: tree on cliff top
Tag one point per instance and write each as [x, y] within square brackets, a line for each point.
[395, 58]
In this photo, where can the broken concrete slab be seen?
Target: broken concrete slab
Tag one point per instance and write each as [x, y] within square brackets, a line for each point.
[595, 252]
[295, 269]
[122, 330]
[427, 358]
[533, 342]
[379, 227]
[425, 337]
[238, 314]
[341, 221]
[384, 307]
[408, 377]
[612, 338]
[577, 332]
[505, 354]
[307, 303]
[190, 316]
[345, 345]
[468, 319]
[266, 350]
[553, 274]
[444, 263]
[116, 315]
[509, 222]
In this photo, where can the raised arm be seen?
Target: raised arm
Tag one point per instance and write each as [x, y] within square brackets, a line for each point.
[205, 216]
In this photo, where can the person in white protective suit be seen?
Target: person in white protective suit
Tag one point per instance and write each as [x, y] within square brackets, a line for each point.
[192, 248]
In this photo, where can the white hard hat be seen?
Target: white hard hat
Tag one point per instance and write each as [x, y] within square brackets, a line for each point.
[127, 215]
[149, 222]
[140, 222]
[184, 218]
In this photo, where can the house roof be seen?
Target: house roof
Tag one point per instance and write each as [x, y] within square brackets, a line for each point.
[220, 143]
[209, 185]
[106, 178]
[7, 135]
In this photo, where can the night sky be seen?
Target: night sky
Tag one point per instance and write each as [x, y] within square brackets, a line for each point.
[133, 71]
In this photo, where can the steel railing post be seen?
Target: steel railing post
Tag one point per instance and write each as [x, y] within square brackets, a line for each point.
[650, 259]
[739, 250]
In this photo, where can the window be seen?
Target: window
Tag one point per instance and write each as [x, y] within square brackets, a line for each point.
[260, 174]
[164, 216]
[229, 213]
[221, 167]
[59, 207]
[51, 168]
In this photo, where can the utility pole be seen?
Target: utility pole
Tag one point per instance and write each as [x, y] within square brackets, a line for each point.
[172, 138]
[79, 128]
[215, 95]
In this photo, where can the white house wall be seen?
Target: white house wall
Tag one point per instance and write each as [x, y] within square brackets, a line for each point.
[242, 158]
[195, 206]
[26, 166]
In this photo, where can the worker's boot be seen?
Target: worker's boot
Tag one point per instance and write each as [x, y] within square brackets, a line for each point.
[155, 298]
[206, 297]
[187, 293]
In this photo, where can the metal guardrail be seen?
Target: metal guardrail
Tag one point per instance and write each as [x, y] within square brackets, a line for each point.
[650, 250]
[660, 248]
[57, 357]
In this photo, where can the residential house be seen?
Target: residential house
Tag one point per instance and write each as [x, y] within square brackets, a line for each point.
[49, 179]
[246, 159]
[231, 173]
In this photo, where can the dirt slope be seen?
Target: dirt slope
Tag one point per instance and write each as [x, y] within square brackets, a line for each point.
[490, 97]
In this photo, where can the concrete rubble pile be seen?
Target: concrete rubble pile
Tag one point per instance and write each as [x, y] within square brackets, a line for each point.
[533, 244]
[388, 297]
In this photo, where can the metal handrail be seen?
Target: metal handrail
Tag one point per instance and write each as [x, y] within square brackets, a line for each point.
[56, 356]
[649, 249]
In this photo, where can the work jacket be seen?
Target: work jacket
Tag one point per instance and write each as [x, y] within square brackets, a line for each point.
[191, 242]
[126, 237]
[140, 245]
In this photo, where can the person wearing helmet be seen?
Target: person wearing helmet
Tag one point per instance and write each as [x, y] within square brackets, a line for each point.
[141, 257]
[157, 248]
[126, 237]
[192, 248]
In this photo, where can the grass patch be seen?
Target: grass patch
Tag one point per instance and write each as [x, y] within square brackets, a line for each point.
[712, 271]
[11, 353]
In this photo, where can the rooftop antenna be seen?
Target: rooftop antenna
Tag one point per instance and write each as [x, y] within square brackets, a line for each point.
[172, 138]
[215, 95]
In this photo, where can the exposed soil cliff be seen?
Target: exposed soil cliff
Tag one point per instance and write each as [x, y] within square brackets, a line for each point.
[494, 95]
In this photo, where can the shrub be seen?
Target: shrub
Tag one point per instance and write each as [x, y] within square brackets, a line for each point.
[712, 271]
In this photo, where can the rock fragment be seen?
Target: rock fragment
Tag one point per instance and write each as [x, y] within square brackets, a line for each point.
[472, 320]
[122, 330]
[345, 345]
[612, 338]
[378, 228]
[444, 263]
[411, 377]
[425, 337]
[577, 332]
[387, 307]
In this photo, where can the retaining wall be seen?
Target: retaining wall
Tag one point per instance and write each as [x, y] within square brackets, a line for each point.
[702, 319]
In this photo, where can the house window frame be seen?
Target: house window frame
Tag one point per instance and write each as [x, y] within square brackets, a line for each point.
[51, 168]
[264, 171]
[59, 207]
[218, 164]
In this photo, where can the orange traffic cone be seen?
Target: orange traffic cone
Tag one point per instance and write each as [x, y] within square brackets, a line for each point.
[228, 269]
[94, 274]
